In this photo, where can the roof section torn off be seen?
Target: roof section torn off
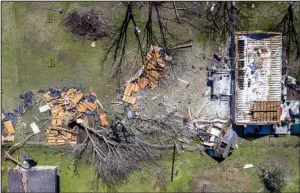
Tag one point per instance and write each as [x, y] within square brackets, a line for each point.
[257, 75]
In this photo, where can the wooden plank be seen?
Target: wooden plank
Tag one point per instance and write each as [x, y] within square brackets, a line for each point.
[143, 82]
[168, 58]
[154, 74]
[89, 105]
[52, 131]
[161, 62]
[135, 106]
[74, 138]
[150, 66]
[9, 127]
[57, 122]
[136, 88]
[128, 99]
[151, 78]
[8, 138]
[153, 84]
[55, 110]
[103, 119]
[149, 56]
[77, 97]
[129, 88]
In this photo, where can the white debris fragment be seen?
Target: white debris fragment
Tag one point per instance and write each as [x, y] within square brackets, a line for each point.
[212, 7]
[209, 144]
[186, 82]
[44, 108]
[93, 44]
[79, 120]
[34, 128]
[248, 166]
[215, 132]
[99, 104]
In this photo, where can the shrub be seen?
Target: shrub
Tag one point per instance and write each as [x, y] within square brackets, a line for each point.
[274, 174]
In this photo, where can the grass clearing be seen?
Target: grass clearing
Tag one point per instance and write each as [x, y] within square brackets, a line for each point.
[192, 170]
[27, 53]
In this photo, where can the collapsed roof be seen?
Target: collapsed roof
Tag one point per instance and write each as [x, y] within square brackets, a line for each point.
[257, 77]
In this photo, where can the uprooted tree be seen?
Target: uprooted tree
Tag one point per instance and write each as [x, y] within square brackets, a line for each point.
[116, 152]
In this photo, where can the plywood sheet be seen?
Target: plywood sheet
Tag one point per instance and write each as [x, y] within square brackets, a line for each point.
[103, 119]
[143, 82]
[155, 74]
[9, 127]
[136, 88]
[81, 108]
[8, 138]
[77, 98]
[56, 122]
[129, 88]
[150, 66]
[89, 105]
[55, 110]
[168, 58]
[153, 84]
[128, 99]
[265, 111]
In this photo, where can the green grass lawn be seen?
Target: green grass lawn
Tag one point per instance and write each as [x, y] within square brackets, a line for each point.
[191, 169]
[29, 44]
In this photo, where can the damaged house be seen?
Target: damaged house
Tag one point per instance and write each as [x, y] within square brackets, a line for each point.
[258, 67]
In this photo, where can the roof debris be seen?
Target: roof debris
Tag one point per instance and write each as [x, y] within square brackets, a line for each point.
[257, 73]
[9, 120]
[69, 105]
[148, 75]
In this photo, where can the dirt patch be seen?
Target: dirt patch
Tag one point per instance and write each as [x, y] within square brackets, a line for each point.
[88, 23]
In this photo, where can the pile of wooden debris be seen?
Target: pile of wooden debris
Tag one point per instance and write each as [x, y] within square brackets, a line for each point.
[9, 119]
[149, 74]
[67, 106]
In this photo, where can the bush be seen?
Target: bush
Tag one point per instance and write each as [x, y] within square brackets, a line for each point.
[274, 174]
